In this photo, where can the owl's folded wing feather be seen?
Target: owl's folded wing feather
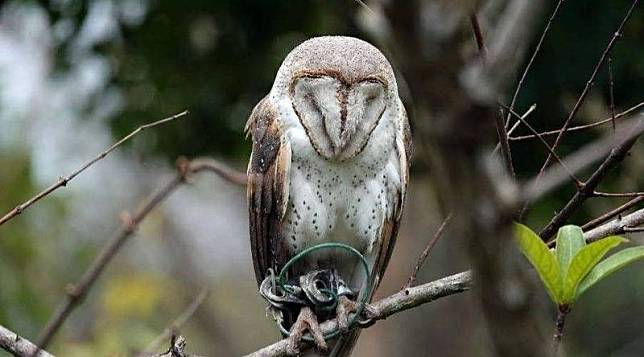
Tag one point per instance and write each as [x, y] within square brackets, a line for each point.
[389, 230]
[268, 186]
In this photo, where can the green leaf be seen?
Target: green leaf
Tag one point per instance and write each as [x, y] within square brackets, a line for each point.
[543, 260]
[584, 261]
[610, 265]
[570, 240]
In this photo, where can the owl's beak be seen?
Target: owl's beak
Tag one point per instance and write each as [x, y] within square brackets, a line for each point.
[341, 134]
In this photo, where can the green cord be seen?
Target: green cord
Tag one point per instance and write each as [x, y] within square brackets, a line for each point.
[365, 265]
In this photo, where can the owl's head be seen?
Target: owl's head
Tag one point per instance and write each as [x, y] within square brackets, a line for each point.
[339, 88]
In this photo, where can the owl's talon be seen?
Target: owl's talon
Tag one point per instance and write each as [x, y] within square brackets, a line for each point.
[347, 306]
[306, 321]
[342, 311]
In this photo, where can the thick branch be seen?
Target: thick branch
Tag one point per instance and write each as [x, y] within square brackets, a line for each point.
[618, 226]
[401, 301]
[18, 346]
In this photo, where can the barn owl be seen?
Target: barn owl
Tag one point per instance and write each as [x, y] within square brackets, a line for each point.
[330, 163]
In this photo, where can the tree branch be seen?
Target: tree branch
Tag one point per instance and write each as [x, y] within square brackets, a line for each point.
[409, 298]
[612, 213]
[582, 96]
[515, 96]
[616, 156]
[64, 180]
[618, 226]
[400, 301]
[76, 292]
[576, 128]
[426, 251]
[599, 149]
[18, 346]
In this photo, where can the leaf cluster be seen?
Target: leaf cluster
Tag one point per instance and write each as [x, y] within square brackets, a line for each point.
[573, 266]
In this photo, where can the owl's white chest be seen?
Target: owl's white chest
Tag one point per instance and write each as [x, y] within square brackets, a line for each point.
[347, 202]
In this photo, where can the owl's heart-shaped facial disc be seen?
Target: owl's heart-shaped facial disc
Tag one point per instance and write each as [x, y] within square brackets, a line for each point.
[338, 117]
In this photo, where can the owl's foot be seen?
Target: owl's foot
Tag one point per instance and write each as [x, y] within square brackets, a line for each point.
[306, 321]
[347, 306]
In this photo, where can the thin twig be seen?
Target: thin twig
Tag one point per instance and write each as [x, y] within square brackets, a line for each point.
[76, 292]
[611, 85]
[503, 141]
[582, 97]
[577, 181]
[617, 194]
[574, 128]
[178, 322]
[17, 345]
[582, 158]
[478, 35]
[516, 125]
[531, 61]
[423, 256]
[400, 301]
[616, 156]
[612, 213]
[64, 180]
[366, 7]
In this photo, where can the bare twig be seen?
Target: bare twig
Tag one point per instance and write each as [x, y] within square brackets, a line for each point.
[612, 213]
[531, 61]
[597, 150]
[423, 256]
[574, 128]
[516, 125]
[525, 115]
[19, 346]
[617, 194]
[178, 322]
[76, 292]
[224, 171]
[582, 97]
[403, 300]
[616, 156]
[64, 180]
[365, 6]
[478, 35]
[611, 86]
[503, 142]
[577, 182]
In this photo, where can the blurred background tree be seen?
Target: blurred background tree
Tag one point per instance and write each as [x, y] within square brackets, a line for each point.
[75, 75]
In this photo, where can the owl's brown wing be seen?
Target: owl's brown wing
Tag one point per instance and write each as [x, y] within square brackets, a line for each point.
[267, 191]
